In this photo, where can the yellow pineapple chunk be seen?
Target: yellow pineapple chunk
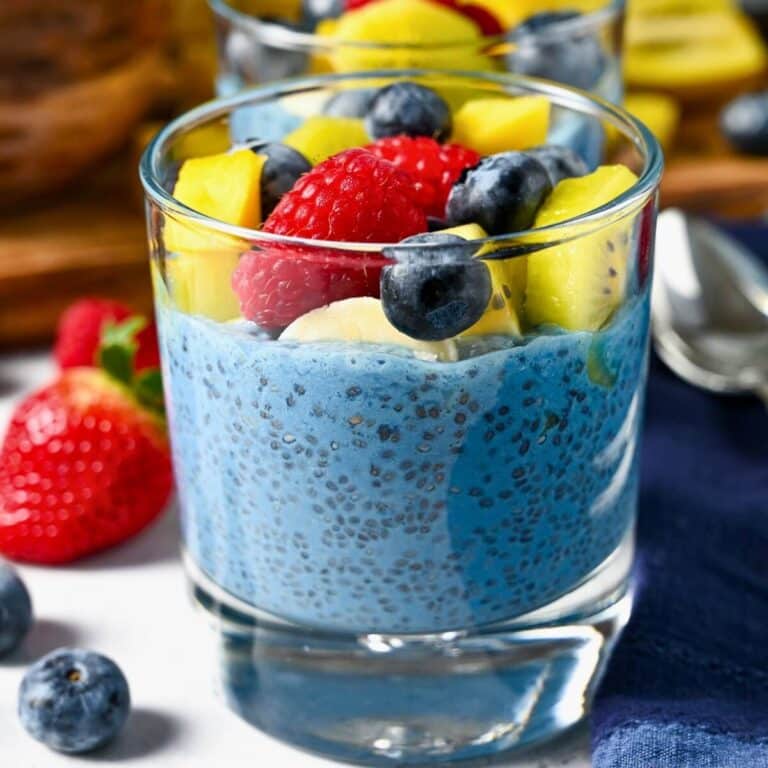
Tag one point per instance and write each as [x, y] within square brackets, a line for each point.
[502, 316]
[578, 285]
[496, 124]
[200, 262]
[321, 137]
[226, 187]
[407, 34]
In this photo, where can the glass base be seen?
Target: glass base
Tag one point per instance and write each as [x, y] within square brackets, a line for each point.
[382, 699]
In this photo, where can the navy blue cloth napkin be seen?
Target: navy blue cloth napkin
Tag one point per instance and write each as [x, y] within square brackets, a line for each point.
[688, 684]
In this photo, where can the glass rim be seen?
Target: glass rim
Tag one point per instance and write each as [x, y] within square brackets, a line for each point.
[273, 32]
[538, 238]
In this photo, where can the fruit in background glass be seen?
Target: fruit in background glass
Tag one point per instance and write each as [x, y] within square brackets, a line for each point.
[15, 610]
[575, 58]
[433, 293]
[255, 61]
[226, 187]
[282, 169]
[56, 506]
[435, 167]
[370, 201]
[411, 33]
[502, 193]
[559, 162]
[362, 319]
[679, 47]
[80, 328]
[492, 125]
[509, 12]
[74, 701]
[408, 109]
[486, 22]
[577, 285]
[321, 137]
[744, 122]
[315, 11]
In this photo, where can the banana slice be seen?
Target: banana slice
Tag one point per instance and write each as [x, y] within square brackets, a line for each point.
[362, 320]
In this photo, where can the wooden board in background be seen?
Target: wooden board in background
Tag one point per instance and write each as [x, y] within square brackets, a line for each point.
[91, 240]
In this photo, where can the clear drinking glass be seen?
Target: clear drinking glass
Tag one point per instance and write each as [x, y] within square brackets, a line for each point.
[261, 41]
[411, 553]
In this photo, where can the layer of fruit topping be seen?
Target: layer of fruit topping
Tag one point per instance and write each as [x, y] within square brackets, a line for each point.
[416, 189]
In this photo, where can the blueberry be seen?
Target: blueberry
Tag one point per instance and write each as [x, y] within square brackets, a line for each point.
[15, 610]
[744, 123]
[410, 109]
[433, 294]
[315, 11]
[435, 224]
[502, 193]
[559, 162]
[351, 103]
[573, 58]
[74, 701]
[281, 171]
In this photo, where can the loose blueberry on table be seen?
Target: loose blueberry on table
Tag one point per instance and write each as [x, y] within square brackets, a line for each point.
[74, 701]
[15, 610]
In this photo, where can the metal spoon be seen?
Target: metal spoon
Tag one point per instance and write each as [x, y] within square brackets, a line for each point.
[710, 307]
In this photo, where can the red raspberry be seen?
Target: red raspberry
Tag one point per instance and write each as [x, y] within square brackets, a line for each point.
[354, 196]
[79, 334]
[436, 167]
[488, 24]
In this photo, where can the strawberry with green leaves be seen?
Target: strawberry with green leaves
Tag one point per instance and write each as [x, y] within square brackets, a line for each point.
[85, 463]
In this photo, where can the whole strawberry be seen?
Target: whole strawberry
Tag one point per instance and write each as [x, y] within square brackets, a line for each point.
[354, 196]
[80, 328]
[434, 167]
[85, 462]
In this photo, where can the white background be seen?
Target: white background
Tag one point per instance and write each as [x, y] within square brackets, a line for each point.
[131, 604]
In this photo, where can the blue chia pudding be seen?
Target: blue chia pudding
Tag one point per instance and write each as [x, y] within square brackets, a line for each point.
[354, 486]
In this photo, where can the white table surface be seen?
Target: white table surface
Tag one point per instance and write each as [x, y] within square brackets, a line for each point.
[131, 604]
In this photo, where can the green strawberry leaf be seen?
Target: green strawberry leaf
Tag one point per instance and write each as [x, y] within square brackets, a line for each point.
[117, 357]
[118, 348]
[148, 389]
